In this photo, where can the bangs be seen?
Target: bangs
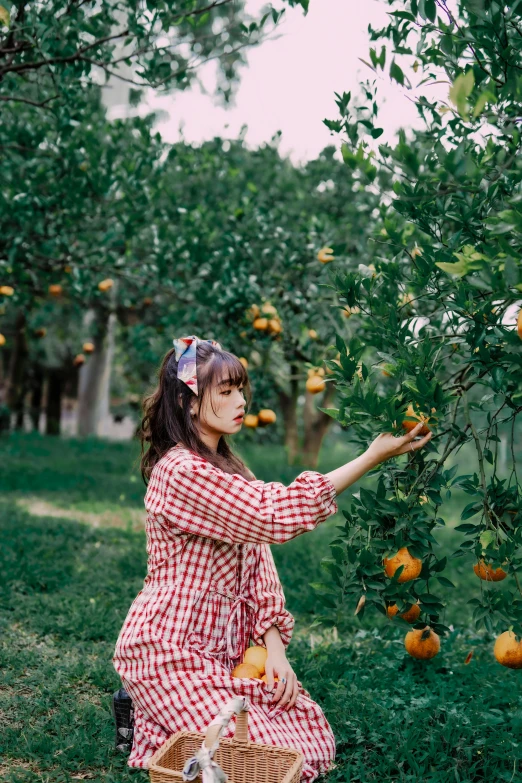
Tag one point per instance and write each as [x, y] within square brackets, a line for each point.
[226, 370]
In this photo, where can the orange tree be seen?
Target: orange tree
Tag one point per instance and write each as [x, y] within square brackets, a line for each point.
[437, 332]
[238, 230]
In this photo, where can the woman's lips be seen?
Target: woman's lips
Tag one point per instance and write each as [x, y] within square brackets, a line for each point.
[238, 418]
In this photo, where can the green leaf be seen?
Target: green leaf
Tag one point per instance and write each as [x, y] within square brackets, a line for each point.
[460, 90]
[5, 17]
[396, 73]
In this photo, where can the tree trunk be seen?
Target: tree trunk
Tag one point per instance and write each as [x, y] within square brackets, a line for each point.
[95, 374]
[15, 374]
[316, 425]
[288, 403]
[53, 410]
[36, 397]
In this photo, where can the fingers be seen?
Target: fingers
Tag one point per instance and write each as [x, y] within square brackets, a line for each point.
[418, 444]
[269, 671]
[290, 690]
[413, 433]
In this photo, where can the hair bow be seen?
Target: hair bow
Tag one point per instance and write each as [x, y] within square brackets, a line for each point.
[186, 357]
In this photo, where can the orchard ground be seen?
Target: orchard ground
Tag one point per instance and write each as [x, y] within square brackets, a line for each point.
[72, 560]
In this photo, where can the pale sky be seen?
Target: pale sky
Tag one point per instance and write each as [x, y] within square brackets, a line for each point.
[290, 82]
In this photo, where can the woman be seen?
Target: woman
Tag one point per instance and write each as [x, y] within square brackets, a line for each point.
[212, 585]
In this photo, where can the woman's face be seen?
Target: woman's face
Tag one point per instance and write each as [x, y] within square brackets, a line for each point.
[228, 403]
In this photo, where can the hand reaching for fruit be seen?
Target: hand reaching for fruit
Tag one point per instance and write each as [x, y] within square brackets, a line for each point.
[386, 445]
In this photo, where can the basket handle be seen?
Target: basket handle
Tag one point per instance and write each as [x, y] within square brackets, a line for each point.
[238, 705]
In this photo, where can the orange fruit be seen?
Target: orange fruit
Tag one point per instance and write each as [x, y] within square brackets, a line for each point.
[261, 324]
[244, 362]
[252, 312]
[265, 678]
[316, 371]
[274, 326]
[251, 420]
[422, 649]
[325, 255]
[246, 670]
[315, 384]
[88, 347]
[105, 285]
[348, 311]
[411, 615]
[55, 290]
[412, 565]
[410, 425]
[147, 301]
[312, 334]
[6, 290]
[268, 309]
[508, 651]
[266, 416]
[519, 324]
[78, 359]
[488, 574]
[2, 339]
[257, 657]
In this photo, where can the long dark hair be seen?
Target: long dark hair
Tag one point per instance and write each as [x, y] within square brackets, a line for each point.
[166, 422]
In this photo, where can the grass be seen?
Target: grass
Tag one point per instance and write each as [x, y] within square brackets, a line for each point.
[67, 585]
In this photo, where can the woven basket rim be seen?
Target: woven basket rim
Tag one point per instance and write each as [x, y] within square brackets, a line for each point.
[155, 761]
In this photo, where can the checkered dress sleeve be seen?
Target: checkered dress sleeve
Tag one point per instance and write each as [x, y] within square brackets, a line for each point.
[195, 497]
[269, 600]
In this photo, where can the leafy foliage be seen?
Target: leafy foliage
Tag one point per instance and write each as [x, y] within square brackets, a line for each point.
[436, 324]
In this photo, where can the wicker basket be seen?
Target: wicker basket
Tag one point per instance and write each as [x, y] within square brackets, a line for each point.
[241, 760]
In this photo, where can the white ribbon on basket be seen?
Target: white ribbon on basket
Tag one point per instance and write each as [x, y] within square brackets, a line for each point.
[202, 761]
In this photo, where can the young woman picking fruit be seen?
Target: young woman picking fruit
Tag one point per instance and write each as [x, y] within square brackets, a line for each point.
[212, 585]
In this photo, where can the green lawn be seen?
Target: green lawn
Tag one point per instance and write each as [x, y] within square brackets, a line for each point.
[72, 560]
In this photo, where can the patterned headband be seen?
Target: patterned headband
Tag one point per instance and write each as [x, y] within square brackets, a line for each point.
[186, 357]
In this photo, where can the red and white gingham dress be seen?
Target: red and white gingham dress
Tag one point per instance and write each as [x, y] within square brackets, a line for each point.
[211, 586]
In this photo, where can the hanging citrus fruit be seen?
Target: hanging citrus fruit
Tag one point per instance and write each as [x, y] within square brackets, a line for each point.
[412, 565]
[422, 643]
[508, 651]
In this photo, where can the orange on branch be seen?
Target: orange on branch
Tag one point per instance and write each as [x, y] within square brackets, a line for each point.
[411, 615]
[41, 332]
[147, 301]
[247, 671]
[244, 362]
[412, 565]
[105, 285]
[251, 420]
[55, 289]
[261, 324]
[266, 416]
[316, 371]
[325, 255]
[268, 309]
[487, 573]
[88, 347]
[257, 657]
[508, 651]
[2, 339]
[519, 324]
[312, 334]
[78, 359]
[422, 649]
[274, 326]
[315, 384]
[410, 425]
[6, 290]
